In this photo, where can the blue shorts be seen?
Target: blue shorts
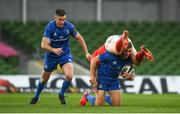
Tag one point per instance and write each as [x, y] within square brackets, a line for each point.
[108, 85]
[50, 64]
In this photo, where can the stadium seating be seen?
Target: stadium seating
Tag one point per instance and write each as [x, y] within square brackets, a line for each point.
[161, 38]
[8, 59]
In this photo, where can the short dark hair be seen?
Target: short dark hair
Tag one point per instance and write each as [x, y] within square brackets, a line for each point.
[60, 12]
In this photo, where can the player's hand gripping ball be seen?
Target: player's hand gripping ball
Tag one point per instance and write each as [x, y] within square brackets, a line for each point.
[128, 72]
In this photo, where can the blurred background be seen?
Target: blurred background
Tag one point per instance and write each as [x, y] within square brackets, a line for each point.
[154, 23]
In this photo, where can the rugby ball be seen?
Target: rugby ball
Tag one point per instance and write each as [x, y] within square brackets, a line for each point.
[128, 69]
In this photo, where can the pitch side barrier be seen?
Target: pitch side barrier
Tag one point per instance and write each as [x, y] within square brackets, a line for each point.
[142, 84]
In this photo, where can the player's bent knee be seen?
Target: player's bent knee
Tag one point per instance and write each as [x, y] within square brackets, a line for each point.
[45, 79]
[69, 77]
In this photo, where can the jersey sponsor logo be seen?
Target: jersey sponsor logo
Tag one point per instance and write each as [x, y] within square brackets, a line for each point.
[59, 40]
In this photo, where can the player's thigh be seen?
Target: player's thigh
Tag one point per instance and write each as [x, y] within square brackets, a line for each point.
[68, 69]
[116, 97]
[45, 76]
[99, 98]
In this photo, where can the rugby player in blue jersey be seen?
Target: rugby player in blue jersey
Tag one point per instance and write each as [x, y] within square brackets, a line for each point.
[121, 48]
[108, 67]
[56, 43]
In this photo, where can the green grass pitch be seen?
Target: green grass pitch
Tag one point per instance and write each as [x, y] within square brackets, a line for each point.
[49, 103]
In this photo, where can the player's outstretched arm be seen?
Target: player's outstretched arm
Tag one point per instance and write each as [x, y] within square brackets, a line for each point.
[83, 45]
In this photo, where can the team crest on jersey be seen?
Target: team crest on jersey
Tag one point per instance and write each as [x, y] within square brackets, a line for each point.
[61, 37]
[66, 31]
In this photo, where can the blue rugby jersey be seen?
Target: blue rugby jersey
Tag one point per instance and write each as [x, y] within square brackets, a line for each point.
[111, 65]
[59, 37]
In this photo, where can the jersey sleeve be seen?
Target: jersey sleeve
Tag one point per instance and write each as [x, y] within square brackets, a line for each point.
[105, 57]
[73, 30]
[48, 32]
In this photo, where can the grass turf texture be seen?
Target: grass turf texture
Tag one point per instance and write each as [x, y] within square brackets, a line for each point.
[49, 103]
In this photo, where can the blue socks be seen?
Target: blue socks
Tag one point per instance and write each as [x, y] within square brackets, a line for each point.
[65, 86]
[108, 99]
[92, 99]
[40, 87]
